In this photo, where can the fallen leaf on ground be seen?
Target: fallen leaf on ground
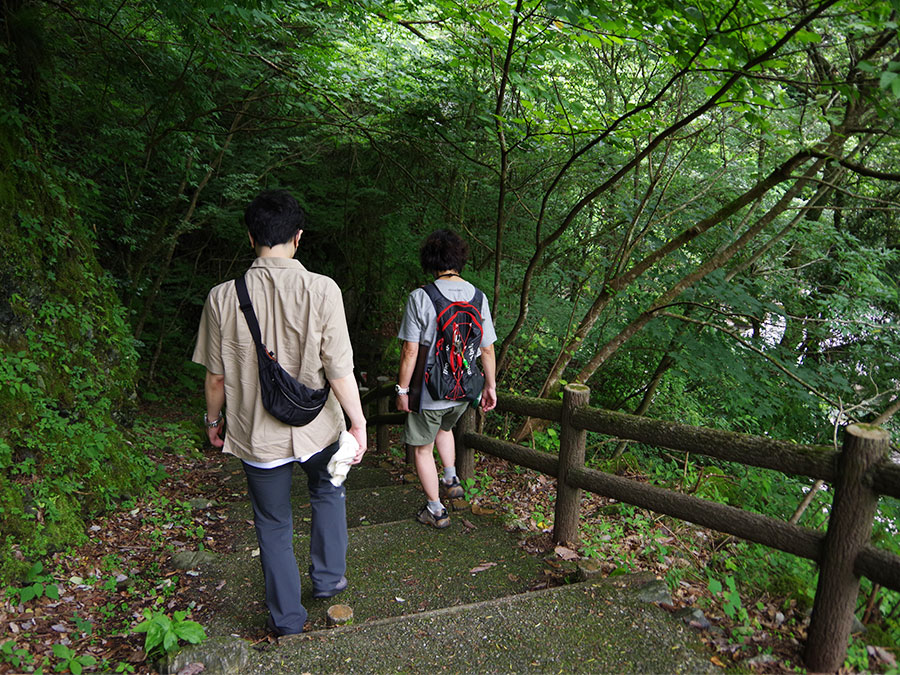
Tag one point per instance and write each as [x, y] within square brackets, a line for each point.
[565, 553]
[482, 567]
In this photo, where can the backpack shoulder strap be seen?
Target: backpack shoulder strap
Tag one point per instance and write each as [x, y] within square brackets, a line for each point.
[477, 300]
[240, 285]
[435, 294]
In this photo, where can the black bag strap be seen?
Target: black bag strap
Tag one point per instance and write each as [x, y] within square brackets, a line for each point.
[240, 285]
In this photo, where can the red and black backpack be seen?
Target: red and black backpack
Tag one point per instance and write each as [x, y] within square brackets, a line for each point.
[454, 375]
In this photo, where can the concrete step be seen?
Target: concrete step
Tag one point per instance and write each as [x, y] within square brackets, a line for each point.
[394, 568]
[597, 627]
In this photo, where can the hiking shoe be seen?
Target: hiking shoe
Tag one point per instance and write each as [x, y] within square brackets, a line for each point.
[340, 586]
[452, 490]
[439, 521]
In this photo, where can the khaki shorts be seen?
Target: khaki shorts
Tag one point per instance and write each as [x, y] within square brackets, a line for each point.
[422, 427]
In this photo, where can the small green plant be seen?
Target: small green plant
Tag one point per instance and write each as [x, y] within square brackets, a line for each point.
[730, 598]
[71, 661]
[15, 656]
[540, 519]
[83, 626]
[857, 658]
[164, 633]
[475, 487]
[470, 489]
[37, 585]
[547, 441]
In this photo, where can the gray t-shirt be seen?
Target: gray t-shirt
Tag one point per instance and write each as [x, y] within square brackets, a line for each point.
[419, 324]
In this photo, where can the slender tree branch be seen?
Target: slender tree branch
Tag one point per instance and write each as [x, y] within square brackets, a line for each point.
[858, 168]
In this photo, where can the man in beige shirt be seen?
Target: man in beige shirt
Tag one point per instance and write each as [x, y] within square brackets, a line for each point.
[301, 318]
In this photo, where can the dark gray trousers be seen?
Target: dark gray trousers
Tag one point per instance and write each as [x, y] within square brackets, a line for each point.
[270, 495]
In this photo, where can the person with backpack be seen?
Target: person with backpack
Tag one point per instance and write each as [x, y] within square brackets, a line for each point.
[446, 325]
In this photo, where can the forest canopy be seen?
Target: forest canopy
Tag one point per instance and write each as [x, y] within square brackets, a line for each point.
[690, 206]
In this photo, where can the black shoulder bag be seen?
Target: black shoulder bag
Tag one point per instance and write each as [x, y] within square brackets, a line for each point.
[284, 397]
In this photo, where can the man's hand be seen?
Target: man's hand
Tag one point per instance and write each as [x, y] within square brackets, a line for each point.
[215, 440]
[489, 393]
[214, 387]
[359, 433]
[348, 396]
[488, 398]
[409, 351]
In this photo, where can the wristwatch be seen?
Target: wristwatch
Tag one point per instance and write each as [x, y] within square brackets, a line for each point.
[401, 390]
[214, 423]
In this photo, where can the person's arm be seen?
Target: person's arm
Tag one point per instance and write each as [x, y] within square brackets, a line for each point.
[348, 396]
[214, 386]
[489, 365]
[409, 351]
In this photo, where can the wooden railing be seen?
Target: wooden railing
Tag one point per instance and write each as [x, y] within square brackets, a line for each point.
[859, 473]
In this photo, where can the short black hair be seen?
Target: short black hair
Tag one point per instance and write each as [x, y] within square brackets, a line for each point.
[443, 250]
[273, 218]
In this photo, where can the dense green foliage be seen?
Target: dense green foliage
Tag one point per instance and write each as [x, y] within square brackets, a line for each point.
[692, 207]
[69, 362]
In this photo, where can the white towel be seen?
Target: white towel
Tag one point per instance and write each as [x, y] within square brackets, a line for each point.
[339, 464]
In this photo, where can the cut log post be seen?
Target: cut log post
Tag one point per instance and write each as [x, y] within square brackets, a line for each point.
[339, 615]
[849, 530]
[571, 456]
[381, 430]
[465, 455]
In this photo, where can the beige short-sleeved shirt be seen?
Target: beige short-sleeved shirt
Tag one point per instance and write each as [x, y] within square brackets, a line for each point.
[301, 318]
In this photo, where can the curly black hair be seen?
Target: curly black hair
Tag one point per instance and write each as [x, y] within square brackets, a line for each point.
[443, 250]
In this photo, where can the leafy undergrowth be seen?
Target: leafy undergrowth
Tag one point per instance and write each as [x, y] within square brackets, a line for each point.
[78, 609]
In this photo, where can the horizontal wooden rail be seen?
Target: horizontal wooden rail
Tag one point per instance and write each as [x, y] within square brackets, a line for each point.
[383, 389]
[766, 453]
[878, 566]
[886, 479]
[517, 454]
[754, 527]
[813, 461]
[539, 408]
[395, 418]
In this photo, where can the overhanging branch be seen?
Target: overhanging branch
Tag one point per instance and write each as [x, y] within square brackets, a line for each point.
[858, 168]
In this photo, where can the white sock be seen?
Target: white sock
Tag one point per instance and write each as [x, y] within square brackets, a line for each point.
[435, 507]
[449, 474]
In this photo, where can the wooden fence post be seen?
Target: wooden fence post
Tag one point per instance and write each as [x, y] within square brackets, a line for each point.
[465, 456]
[849, 529]
[571, 455]
[381, 430]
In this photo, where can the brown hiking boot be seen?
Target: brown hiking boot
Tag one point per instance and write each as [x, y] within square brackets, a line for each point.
[439, 521]
[452, 490]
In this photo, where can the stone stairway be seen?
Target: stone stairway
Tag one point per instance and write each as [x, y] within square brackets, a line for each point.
[457, 600]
